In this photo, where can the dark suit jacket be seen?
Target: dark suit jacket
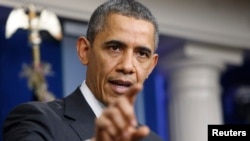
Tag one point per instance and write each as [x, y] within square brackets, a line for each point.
[67, 119]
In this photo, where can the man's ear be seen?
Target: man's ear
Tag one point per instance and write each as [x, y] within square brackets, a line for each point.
[153, 64]
[83, 46]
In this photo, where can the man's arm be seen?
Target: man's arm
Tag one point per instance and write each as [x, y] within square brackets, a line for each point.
[27, 123]
[118, 121]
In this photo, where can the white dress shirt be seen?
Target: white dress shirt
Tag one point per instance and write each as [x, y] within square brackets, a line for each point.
[95, 105]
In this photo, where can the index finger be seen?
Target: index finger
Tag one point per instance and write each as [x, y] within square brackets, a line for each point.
[131, 95]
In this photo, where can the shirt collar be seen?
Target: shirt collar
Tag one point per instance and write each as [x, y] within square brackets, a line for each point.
[95, 105]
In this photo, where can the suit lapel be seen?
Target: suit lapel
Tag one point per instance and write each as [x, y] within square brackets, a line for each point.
[77, 108]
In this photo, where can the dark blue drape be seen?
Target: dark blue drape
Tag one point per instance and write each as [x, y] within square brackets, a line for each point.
[156, 100]
[236, 93]
[15, 52]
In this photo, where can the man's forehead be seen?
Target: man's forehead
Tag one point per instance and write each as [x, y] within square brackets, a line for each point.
[110, 32]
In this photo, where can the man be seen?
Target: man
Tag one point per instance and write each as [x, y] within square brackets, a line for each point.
[119, 52]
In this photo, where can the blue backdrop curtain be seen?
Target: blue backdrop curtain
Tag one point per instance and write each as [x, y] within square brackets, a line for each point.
[236, 93]
[156, 103]
[15, 52]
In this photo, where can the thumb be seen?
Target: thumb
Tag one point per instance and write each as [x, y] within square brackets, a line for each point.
[141, 132]
[133, 93]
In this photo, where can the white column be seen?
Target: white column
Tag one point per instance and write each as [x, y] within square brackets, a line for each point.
[193, 74]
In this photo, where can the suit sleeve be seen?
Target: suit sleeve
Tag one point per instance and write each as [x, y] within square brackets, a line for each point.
[28, 122]
[152, 137]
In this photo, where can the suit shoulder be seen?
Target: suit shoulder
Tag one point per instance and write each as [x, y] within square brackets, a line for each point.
[28, 107]
[36, 120]
[36, 107]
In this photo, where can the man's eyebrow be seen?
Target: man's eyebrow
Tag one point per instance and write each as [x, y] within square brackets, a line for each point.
[145, 49]
[120, 43]
[116, 42]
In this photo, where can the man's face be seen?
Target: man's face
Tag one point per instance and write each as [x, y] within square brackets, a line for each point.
[121, 56]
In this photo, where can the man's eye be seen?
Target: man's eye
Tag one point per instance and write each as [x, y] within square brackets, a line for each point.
[114, 48]
[143, 54]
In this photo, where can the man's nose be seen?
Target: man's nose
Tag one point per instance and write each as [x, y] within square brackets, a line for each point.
[126, 64]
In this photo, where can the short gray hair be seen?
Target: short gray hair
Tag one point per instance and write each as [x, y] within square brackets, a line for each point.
[130, 8]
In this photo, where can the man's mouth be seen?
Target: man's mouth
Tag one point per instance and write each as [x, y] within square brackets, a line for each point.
[120, 86]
